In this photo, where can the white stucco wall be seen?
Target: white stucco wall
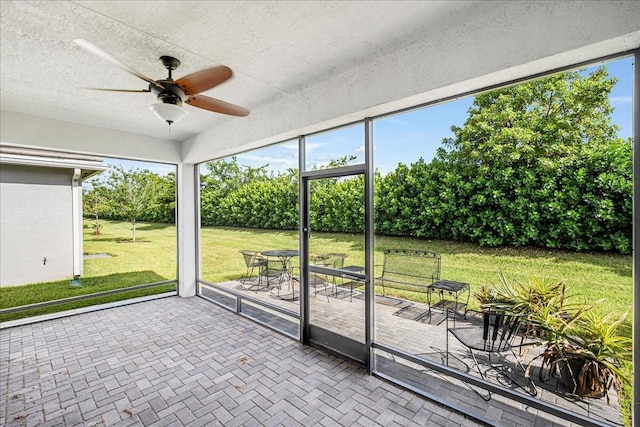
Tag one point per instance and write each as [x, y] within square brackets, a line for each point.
[35, 223]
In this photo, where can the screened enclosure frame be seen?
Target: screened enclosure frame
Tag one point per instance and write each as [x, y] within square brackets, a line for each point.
[370, 327]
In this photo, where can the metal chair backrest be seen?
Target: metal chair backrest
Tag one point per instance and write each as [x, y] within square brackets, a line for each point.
[335, 260]
[252, 258]
[330, 260]
[499, 330]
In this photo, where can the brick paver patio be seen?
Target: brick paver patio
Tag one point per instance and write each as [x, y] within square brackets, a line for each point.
[181, 361]
[398, 327]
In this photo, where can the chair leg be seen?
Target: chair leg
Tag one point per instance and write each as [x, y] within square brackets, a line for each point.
[531, 389]
[475, 361]
[256, 287]
[485, 398]
[246, 276]
[499, 368]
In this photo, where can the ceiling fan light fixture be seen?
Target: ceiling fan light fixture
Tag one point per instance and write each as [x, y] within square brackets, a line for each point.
[170, 113]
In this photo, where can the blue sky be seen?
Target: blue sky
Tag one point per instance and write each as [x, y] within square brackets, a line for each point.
[407, 137]
[401, 138]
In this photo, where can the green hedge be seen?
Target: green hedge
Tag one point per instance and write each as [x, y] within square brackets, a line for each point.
[584, 204]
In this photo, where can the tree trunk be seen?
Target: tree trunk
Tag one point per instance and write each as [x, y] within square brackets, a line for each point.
[134, 229]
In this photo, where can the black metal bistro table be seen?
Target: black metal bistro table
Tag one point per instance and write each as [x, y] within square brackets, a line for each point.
[451, 288]
[285, 256]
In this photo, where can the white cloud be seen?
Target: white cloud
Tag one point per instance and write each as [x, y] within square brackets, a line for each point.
[271, 160]
[309, 146]
[621, 99]
[158, 168]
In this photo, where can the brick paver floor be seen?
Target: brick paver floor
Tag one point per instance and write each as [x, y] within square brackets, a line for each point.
[396, 326]
[180, 362]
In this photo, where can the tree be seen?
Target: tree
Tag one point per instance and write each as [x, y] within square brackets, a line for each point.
[163, 206]
[527, 167]
[225, 176]
[131, 193]
[534, 122]
[222, 179]
[95, 203]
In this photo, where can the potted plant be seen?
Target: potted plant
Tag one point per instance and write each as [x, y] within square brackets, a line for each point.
[521, 298]
[579, 344]
[585, 349]
[531, 297]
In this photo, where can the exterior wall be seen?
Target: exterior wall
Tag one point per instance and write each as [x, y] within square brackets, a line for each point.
[35, 223]
[24, 130]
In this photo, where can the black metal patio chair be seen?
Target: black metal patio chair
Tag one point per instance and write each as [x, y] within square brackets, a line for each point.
[331, 260]
[493, 333]
[253, 260]
[276, 273]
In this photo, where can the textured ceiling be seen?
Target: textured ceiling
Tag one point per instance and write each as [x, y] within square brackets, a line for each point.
[275, 49]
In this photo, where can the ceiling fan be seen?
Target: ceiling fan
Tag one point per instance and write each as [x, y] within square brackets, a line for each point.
[171, 93]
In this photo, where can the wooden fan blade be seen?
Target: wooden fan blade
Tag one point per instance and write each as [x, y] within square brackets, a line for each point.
[118, 90]
[217, 106]
[204, 80]
[91, 48]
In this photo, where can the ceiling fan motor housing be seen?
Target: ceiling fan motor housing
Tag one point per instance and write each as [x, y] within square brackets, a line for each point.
[171, 93]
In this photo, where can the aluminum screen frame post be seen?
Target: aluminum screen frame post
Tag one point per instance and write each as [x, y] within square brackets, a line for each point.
[369, 244]
[635, 411]
[303, 230]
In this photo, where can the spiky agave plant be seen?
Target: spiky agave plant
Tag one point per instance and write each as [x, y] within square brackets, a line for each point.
[526, 298]
[597, 342]
[554, 324]
[587, 346]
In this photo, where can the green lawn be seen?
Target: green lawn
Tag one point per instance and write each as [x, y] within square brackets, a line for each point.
[154, 249]
[587, 275]
[153, 258]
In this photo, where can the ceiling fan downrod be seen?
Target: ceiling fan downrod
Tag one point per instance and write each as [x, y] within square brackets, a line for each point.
[170, 96]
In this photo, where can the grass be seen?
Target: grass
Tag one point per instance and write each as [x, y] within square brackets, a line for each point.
[591, 276]
[151, 259]
[154, 249]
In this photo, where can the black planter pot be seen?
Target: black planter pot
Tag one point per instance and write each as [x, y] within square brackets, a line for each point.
[571, 377]
[569, 372]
